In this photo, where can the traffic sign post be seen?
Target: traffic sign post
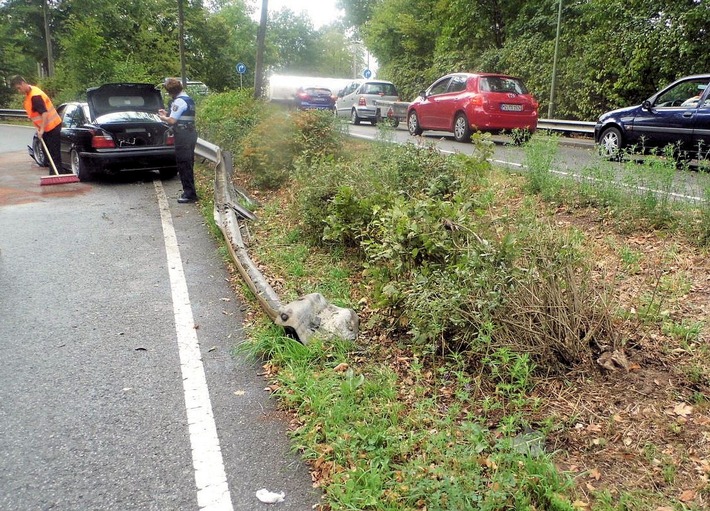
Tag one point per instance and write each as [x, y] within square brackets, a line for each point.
[367, 74]
[241, 69]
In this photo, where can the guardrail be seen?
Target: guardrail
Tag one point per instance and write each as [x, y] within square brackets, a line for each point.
[566, 126]
[6, 112]
[304, 317]
[560, 125]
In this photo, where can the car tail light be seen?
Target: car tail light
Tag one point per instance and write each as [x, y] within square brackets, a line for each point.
[102, 140]
[477, 100]
[362, 101]
[302, 95]
[170, 138]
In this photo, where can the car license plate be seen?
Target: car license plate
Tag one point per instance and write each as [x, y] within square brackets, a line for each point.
[511, 108]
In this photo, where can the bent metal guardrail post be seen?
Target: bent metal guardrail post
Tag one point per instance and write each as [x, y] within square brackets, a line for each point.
[309, 315]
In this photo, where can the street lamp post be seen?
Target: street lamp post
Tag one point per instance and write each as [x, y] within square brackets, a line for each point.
[551, 106]
[48, 39]
[181, 24]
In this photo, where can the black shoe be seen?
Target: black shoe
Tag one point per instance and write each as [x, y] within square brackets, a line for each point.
[186, 200]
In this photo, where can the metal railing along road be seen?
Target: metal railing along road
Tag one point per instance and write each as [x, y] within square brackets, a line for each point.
[566, 126]
[6, 112]
[559, 125]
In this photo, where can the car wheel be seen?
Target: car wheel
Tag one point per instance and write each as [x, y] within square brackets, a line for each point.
[394, 122]
[462, 130]
[168, 173]
[413, 124]
[610, 143]
[38, 152]
[354, 117]
[79, 167]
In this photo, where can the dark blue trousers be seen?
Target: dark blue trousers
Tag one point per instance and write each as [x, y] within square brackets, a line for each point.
[185, 141]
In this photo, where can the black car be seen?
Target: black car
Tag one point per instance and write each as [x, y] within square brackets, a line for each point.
[116, 130]
[678, 115]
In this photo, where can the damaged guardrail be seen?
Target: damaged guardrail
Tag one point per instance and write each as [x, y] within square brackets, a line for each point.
[309, 315]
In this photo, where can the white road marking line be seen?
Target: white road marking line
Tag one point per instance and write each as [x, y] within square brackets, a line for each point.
[210, 477]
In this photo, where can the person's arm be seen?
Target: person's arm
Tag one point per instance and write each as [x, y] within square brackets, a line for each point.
[179, 106]
[165, 118]
[39, 107]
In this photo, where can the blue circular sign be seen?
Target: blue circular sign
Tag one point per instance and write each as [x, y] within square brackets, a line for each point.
[241, 68]
[367, 73]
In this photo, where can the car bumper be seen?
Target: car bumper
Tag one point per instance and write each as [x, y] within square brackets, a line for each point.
[131, 159]
[315, 106]
[366, 112]
[497, 121]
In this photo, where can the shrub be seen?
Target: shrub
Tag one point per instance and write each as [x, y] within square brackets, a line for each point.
[267, 151]
[226, 118]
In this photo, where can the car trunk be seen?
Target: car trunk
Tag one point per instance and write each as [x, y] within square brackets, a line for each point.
[134, 129]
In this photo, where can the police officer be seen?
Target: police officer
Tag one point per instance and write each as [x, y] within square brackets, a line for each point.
[182, 119]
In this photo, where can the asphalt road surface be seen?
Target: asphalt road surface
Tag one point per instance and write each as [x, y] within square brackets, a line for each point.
[119, 389]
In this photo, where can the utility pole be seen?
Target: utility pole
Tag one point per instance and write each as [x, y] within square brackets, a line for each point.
[48, 39]
[260, 44]
[551, 106]
[181, 25]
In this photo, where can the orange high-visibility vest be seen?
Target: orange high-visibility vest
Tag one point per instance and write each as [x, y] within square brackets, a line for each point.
[53, 119]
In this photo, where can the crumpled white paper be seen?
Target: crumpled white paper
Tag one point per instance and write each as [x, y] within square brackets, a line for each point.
[269, 497]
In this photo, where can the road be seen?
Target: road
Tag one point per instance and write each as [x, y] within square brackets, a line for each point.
[118, 386]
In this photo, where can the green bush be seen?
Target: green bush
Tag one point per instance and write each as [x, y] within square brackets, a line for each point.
[226, 118]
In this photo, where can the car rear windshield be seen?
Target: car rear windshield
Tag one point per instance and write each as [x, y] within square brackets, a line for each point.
[383, 89]
[502, 84]
[318, 91]
[127, 117]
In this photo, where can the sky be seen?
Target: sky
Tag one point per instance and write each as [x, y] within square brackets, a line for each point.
[321, 12]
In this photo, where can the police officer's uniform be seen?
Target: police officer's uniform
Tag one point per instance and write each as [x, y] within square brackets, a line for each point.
[183, 111]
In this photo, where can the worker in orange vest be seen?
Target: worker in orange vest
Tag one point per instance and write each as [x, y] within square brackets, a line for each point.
[42, 113]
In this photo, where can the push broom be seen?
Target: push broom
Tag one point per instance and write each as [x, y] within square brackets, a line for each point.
[57, 178]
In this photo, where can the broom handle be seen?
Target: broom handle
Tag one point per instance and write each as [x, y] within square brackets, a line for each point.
[49, 156]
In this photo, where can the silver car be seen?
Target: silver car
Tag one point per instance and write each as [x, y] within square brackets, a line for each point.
[357, 100]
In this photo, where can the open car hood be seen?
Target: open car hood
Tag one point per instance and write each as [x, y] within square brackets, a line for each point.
[123, 97]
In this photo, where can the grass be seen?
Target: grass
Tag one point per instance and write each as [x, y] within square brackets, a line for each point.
[386, 425]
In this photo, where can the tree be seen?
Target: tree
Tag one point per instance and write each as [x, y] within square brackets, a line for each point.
[291, 40]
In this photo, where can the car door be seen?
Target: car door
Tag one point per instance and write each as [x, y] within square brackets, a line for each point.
[66, 112]
[701, 127]
[74, 135]
[346, 100]
[670, 116]
[430, 111]
[451, 102]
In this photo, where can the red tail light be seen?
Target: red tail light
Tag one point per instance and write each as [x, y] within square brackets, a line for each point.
[477, 100]
[302, 95]
[102, 140]
[362, 101]
[170, 139]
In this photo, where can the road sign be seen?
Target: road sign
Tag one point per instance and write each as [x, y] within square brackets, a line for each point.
[241, 68]
[367, 73]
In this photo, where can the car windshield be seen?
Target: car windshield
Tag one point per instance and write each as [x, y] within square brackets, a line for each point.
[502, 84]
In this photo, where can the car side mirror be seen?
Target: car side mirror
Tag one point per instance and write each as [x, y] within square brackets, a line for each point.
[422, 94]
[646, 105]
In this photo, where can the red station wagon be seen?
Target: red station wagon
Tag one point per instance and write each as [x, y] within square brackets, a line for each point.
[466, 102]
